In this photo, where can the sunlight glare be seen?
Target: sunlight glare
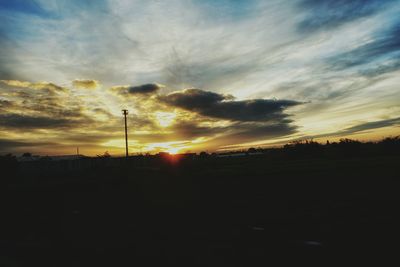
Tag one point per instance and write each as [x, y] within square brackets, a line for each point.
[165, 119]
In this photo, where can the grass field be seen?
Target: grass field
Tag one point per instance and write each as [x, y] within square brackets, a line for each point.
[247, 211]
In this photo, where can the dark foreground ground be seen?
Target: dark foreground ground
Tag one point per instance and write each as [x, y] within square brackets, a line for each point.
[248, 211]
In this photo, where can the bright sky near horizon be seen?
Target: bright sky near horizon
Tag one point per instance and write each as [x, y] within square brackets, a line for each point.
[195, 75]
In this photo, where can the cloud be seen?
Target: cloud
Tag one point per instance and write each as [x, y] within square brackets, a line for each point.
[190, 130]
[41, 147]
[381, 68]
[18, 121]
[236, 133]
[145, 89]
[257, 131]
[380, 48]
[7, 145]
[194, 98]
[86, 84]
[35, 106]
[224, 107]
[16, 83]
[214, 136]
[102, 111]
[38, 85]
[328, 14]
[362, 127]
[6, 103]
[371, 126]
[91, 138]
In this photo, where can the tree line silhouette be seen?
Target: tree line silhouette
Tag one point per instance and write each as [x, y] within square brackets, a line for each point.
[345, 147]
[300, 148]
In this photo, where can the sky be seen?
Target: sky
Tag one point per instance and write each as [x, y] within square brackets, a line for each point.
[195, 75]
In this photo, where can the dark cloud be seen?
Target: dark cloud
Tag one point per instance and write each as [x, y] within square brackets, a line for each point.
[259, 131]
[328, 14]
[33, 122]
[371, 125]
[144, 89]
[191, 130]
[358, 128]
[194, 98]
[224, 107]
[91, 138]
[240, 132]
[218, 135]
[141, 121]
[40, 147]
[7, 145]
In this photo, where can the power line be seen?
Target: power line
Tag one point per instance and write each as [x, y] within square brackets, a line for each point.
[125, 112]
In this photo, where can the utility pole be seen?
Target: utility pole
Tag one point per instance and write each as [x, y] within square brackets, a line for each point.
[125, 112]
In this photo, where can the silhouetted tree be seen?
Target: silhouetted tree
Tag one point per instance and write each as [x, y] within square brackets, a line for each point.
[203, 154]
[251, 150]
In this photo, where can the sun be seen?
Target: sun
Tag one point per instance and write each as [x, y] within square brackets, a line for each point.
[171, 147]
[173, 150]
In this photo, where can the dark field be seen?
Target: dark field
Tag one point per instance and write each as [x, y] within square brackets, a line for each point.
[245, 211]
